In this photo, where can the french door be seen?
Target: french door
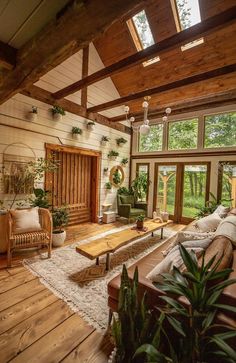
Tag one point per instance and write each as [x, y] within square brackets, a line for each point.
[181, 189]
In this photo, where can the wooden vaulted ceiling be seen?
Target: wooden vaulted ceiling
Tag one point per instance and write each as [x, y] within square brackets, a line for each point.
[218, 50]
[198, 77]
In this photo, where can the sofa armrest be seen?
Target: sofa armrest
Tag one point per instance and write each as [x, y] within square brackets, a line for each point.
[141, 205]
[124, 210]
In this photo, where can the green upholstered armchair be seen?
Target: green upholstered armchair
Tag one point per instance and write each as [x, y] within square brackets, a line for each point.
[128, 208]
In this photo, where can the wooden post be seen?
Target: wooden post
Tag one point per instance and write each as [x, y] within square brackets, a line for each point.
[85, 64]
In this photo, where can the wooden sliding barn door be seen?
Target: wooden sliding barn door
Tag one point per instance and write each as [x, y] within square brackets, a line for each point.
[75, 184]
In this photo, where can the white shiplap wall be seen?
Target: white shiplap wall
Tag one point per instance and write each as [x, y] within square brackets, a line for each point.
[14, 128]
[70, 71]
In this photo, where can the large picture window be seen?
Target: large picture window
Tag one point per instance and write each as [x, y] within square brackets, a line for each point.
[183, 134]
[152, 141]
[220, 130]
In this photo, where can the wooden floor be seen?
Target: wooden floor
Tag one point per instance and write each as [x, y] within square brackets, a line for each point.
[36, 326]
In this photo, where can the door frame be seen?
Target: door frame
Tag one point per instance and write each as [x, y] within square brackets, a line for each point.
[177, 217]
[95, 176]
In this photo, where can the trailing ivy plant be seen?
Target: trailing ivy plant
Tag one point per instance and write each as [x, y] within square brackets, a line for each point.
[124, 161]
[105, 138]
[108, 186]
[113, 153]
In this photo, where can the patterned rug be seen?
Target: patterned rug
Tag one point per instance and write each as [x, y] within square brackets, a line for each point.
[82, 284]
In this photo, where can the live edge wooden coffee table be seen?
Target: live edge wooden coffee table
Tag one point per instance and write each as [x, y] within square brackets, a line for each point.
[114, 241]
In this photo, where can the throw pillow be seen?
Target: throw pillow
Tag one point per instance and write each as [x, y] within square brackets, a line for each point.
[127, 199]
[185, 236]
[227, 228]
[222, 211]
[25, 220]
[208, 223]
[173, 259]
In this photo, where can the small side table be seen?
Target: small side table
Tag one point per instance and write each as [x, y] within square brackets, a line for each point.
[109, 217]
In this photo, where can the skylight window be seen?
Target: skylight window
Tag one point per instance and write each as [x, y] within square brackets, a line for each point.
[188, 14]
[141, 33]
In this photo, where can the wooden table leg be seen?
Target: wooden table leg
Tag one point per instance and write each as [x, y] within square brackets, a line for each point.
[161, 233]
[108, 262]
[97, 261]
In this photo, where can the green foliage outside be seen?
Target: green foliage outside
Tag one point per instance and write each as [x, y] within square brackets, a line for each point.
[143, 29]
[220, 130]
[183, 135]
[184, 13]
[152, 141]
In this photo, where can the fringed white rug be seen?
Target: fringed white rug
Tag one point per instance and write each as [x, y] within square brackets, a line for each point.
[62, 272]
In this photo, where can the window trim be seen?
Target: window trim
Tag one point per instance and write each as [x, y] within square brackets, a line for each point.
[222, 148]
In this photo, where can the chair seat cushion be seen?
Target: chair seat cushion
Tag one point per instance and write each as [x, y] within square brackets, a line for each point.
[136, 211]
[25, 220]
[30, 238]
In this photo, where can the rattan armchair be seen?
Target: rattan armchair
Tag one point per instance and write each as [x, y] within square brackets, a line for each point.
[30, 239]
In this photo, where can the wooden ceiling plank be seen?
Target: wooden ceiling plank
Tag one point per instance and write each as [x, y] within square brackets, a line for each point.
[197, 31]
[69, 106]
[80, 24]
[166, 87]
[7, 56]
[225, 98]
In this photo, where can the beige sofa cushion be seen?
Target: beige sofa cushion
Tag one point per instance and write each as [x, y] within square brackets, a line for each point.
[227, 228]
[25, 220]
[208, 223]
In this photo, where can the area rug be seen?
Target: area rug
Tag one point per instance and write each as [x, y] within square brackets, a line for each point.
[82, 284]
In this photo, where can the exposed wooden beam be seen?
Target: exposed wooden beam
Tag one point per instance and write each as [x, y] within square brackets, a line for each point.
[195, 32]
[69, 106]
[166, 87]
[80, 24]
[85, 65]
[7, 56]
[218, 100]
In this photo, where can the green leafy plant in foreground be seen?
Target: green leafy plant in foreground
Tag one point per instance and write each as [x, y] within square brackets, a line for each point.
[191, 320]
[135, 325]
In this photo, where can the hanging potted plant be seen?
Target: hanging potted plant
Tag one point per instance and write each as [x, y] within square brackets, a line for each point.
[57, 112]
[104, 140]
[108, 186]
[112, 155]
[76, 131]
[124, 161]
[105, 171]
[90, 125]
[60, 217]
[33, 115]
[121, 141]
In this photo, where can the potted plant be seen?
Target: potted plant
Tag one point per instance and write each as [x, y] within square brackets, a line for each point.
[33, 114]
[112, 155]
[60, 218]
[121, 141]
[90, 125]
[105, 171]
[140, 185]
[104, 140]
[124, 161]
[108, 186]
[58, 112]
[76, 131]
[140, 221]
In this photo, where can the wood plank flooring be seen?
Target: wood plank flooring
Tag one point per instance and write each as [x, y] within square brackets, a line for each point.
[38, 327]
